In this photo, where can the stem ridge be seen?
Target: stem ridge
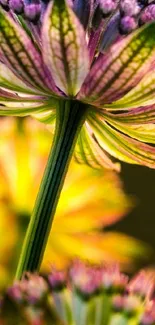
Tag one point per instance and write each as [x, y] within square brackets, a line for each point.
[69, 120]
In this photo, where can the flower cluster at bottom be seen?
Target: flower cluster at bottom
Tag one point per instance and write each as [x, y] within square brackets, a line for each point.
[83, 295]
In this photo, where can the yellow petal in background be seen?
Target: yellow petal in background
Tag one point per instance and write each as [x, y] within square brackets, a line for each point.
[90, 201]
[23, 154]
[85, 202]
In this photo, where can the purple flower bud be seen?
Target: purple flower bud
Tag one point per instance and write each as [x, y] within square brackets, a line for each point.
[86, 280]
[57, 280]
[128, 24]
[147, 15]
[114, 280]
[142, 285]
[107, 6]
[118, 302]
[32, 12]
[17, 6]
[148, 317]
[131, 304]
[34, 288]
[15, 292]
[70, 3]
[129, 7]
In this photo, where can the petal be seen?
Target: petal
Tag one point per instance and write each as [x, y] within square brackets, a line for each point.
[27, 107]
[92, 207]
[20, 54]
[123, 248]
[6, 95]
[46, 117]
[95, 247]
[23, 110]
[121, 68]
[142, 132]
[88, 151]
[14, 99]
[121, 146]
[142, 94]
[71, 246]
[64, 47]
[9, 80]
[140, 115]
[141, 129]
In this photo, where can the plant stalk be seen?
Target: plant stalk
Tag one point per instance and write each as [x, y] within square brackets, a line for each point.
[69, 120]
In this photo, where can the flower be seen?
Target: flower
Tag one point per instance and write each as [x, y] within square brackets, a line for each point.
[83, 213]
[80, 294]
[80, 51]
[84, 210]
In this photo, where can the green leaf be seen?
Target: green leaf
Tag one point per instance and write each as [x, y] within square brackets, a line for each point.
[121, 68]
[64, 47]
[88, 151]
[20, 54]
[121, 146]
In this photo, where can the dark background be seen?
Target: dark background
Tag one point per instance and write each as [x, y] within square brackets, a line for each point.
[139, 181]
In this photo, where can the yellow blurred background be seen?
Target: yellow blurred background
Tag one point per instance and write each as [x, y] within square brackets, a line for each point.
[91, 201]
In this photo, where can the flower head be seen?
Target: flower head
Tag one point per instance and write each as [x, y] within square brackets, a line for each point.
[142, 285]
[81, 297]
[78, 50]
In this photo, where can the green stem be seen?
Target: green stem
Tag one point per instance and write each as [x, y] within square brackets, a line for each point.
[70, 118]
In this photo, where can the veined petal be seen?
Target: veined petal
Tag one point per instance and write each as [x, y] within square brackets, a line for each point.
[143, 132]
[7, 95]
[24, 108]
[121, 68]
[88, 151]
[140, 115]
[10, 81]
[138, 123]
[142, 94]
[64, 47]
[46, 117]
[11, 99]
[20, 54]
[122, 146]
